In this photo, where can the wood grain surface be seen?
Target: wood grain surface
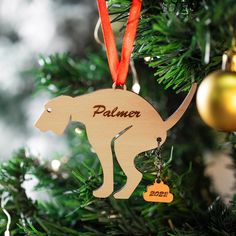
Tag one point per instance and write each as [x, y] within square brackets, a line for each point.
[105, 114]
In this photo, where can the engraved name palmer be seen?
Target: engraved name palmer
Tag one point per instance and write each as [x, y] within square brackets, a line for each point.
[102, 110]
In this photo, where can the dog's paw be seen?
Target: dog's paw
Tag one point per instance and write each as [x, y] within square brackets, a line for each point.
[102, 192]
[122, 195]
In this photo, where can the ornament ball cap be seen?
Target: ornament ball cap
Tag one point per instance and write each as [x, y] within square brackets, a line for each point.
[229, 60]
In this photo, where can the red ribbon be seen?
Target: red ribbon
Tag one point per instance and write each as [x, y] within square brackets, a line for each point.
[119, 69]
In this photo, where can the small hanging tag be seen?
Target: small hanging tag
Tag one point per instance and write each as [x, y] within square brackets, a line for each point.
[158, 192]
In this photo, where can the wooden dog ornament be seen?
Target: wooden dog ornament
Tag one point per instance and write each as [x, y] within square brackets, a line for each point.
[106, 113]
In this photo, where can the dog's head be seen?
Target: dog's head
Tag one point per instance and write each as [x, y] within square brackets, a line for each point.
[56, 115]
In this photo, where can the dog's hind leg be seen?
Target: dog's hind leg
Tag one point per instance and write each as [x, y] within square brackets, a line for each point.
[127, 147]
[125, 157]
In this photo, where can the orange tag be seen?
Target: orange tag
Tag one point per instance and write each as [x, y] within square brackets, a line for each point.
[158, 192]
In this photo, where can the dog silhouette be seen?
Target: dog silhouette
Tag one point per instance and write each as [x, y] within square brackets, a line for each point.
[105, 114]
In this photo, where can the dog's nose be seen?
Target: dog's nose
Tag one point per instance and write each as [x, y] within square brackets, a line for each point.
[40, 127]
[37, 124]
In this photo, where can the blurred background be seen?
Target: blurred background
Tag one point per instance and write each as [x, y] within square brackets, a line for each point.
[28, 29]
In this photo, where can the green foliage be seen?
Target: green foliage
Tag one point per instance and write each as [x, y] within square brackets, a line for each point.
[61, 74]
[184, 41]
[176, 34]
[75, 212]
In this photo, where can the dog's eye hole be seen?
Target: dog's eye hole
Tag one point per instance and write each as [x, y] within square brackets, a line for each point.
[49, 110]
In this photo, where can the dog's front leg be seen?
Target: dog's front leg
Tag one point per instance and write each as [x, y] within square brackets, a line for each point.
[102, 147]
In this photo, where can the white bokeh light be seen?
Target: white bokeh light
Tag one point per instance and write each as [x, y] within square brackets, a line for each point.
[55, 164]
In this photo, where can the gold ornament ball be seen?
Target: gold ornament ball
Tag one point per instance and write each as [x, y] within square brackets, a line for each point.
[216, 100]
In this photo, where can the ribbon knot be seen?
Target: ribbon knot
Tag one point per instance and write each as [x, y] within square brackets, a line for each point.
[119, 68]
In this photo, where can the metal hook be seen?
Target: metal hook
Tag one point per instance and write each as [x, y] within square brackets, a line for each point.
[159, 164]
[158, 160]
[4, 201]
[96, 29]
[122, 86]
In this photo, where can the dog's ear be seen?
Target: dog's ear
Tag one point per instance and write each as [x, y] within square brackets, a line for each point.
[60, 102]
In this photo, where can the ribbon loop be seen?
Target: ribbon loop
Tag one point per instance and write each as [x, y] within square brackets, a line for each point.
[119, 69]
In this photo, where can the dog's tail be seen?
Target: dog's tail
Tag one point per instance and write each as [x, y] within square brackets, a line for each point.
[176, 116]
